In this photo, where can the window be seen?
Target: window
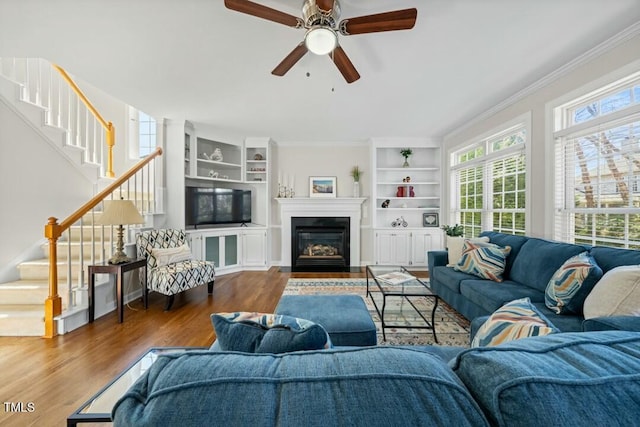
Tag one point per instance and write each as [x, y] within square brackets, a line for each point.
[142, 131]
[597, 155]
[489, 182]
[146, 134]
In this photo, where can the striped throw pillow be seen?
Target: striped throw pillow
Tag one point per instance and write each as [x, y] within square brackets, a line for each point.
[485, 260]
[571, 283]
[514, 320]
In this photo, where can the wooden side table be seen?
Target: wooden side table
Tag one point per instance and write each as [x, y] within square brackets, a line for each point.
[118, 270]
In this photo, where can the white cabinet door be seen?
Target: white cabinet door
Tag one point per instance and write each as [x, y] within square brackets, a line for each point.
[254, 248]
[393, 248]
[422, 242]
[221, 248]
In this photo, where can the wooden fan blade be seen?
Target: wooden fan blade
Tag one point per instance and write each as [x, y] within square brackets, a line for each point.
[389, 21]
[345, 65]
[291, 59]
[325, 5]
[264, 12]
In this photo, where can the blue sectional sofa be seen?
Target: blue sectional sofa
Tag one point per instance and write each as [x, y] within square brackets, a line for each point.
[568, 379]
[529, 266]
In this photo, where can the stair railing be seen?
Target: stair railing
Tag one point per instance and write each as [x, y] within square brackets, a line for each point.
[137, 184]
[49, 86]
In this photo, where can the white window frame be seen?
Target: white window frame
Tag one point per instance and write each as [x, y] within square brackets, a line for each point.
[521, 122]
[560, 128]
[133, 129]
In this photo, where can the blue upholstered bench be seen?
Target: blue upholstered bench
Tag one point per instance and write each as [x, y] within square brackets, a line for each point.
[345, 317]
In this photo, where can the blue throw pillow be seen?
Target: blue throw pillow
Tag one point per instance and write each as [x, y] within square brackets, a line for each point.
[267, 333]
[514, 320]
[571, 283]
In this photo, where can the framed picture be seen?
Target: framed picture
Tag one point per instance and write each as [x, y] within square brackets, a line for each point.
[322, 186]
[430, 219]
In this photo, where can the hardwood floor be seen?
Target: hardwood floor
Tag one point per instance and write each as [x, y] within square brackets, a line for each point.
[58, 375]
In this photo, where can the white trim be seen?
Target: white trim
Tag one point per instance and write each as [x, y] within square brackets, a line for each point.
[320, 207]
[609, 44]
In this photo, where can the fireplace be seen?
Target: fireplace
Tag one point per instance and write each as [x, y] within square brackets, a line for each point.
[320, 243]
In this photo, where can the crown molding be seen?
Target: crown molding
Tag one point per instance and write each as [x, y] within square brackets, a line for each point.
[609, 44]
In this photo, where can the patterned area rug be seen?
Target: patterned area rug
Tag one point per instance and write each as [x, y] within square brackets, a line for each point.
[451, 328]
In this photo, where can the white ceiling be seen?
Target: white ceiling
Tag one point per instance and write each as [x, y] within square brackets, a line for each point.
[197, 60]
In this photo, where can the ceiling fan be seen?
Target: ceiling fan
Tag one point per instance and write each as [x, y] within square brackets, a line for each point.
[320, 20]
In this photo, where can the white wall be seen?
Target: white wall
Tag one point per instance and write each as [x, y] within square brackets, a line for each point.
[36, 182]
[303, 160]
[541, 202]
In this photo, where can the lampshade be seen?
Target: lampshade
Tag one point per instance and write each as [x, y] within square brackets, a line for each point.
[321, 40]
[120, 212]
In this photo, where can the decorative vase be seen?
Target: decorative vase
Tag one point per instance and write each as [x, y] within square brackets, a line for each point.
[406, 162]
[356, 188]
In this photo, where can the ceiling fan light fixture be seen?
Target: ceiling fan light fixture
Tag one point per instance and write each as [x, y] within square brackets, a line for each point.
[321, 40]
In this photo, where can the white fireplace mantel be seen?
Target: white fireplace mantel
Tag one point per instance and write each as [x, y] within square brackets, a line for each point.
[321, 207]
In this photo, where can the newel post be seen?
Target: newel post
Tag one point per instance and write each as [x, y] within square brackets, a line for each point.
[111, 141]
[53, 303]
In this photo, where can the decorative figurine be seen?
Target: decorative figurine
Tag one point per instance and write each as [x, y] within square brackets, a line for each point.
[399, 222]
[385, 204]
[217, 155]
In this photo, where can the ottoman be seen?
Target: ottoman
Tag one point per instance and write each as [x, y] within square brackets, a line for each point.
[345, 317]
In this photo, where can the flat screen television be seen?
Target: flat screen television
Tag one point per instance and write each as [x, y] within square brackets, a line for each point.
[211, 206]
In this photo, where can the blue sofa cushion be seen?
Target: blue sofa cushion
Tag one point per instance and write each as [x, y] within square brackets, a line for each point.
[449, 277]
[514, 320]
[610, 258]
[539, 259]
[491, 296]
[511, 240]
[372, 386]
[621, 323]
[566, 323]
[571, 283]
[485, 260]
[572, 379]
[267, 333]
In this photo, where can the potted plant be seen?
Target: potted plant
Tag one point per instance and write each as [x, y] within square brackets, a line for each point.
[454, 242]
[406, 152]
[453, 230]
[356, 173]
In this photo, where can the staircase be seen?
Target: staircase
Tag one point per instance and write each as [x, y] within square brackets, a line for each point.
[22, 307]
[30, 89]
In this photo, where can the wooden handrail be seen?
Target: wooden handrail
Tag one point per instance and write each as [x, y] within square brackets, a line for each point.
[108, 126]
[53, 230]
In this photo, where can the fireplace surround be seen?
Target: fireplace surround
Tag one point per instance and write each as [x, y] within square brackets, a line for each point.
[349, 207]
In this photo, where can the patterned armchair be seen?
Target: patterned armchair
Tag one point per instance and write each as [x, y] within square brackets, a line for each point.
[172, 274]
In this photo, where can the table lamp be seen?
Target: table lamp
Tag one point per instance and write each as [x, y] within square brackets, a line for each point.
[120, 212]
